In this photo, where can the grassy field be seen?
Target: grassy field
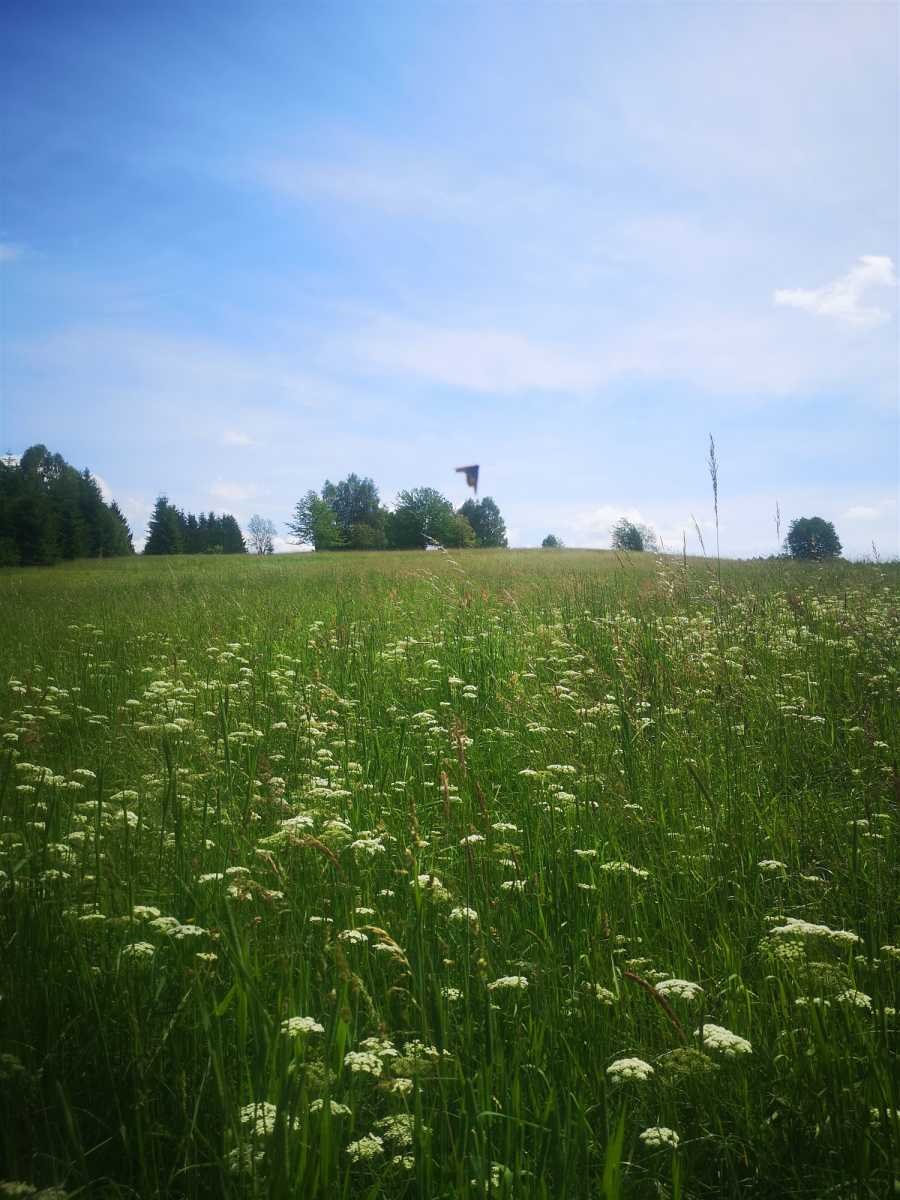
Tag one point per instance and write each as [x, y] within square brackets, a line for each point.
[509, 874]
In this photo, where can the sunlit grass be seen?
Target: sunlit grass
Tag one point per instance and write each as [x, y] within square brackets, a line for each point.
[525, 874]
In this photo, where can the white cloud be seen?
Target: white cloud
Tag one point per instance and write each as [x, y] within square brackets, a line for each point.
[861, 512]
[10, 251]
[480, 360]
[750, 355]
[234, 437]
[233, 492]
[843, 297]
[870, 512]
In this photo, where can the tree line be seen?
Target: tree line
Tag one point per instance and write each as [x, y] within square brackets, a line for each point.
[349, 515]
[172, 531]
[50, 511]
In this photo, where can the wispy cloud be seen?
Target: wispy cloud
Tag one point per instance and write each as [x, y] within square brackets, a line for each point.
[234, 437]
[232, 492]
[741, 353]
[870, 512]
[843, 298]
[10, 251]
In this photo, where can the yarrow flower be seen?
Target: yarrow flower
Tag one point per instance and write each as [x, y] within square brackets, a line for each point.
[354, 936]
[336, 1109]
[139, 950]
[509, 982]
[716, 1037]
[363, 1062]
[260, 1116]
[772, 866]
[431, 885]
[295, 1026]
[795, 928]
[628, 1070]
[660, 1135]
[682, 988]
[601, 993]
[624, 868]
[463, 914]
[368, 1147]
[854, 998]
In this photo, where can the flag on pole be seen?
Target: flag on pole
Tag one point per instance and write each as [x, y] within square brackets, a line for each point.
[471, 474]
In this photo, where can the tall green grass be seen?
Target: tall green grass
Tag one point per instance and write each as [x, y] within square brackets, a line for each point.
[470, 815]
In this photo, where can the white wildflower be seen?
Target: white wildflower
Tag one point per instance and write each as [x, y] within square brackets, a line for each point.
[295, 1026]
[629, 1070]
[363, 1062]
[659, 1135]
[716, 1037]
[684, 989]
[366, 1148]
[509, 982]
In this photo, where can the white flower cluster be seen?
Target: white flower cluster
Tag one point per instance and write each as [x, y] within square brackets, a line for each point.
[624, 868]
[363, 1062]
[432, 885]
[795, 928]
[629, 1070]
[139, 950]
[259, 1117]
[717, 1037]
[295, 1026]
[854, 998]
[509, 982]
[398, 1130]
[368, 1147]
[336, 1109]
[659, 1135]
[601, 993]
[682, 988]
[462, 914]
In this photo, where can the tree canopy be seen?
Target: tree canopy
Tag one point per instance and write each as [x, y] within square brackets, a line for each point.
[552, 542]
[486, 521]
[349, 515]
[812, 538]
[631, 535]
[171, 531]
[49, 511]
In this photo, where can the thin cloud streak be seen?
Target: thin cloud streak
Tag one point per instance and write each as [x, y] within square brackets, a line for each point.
[842, 299]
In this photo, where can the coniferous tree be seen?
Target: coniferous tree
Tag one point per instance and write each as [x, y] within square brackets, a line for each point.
[50, 510]
[164, 529]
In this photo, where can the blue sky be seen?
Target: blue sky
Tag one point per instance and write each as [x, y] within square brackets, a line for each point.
[248, 247]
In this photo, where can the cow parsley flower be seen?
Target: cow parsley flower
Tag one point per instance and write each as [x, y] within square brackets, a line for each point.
[659, 1135]
[509, 982]
[716, 1037]
[139, 950]
[354, 937]
[854, 998]
[463, 914]
[366, 1148]
[364, 1062]
[295, 1026]
[336, 1109]
[684, 989]
[629, 1070]
[624, 868]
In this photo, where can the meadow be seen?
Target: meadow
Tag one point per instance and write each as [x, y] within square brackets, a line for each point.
[544, 874]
